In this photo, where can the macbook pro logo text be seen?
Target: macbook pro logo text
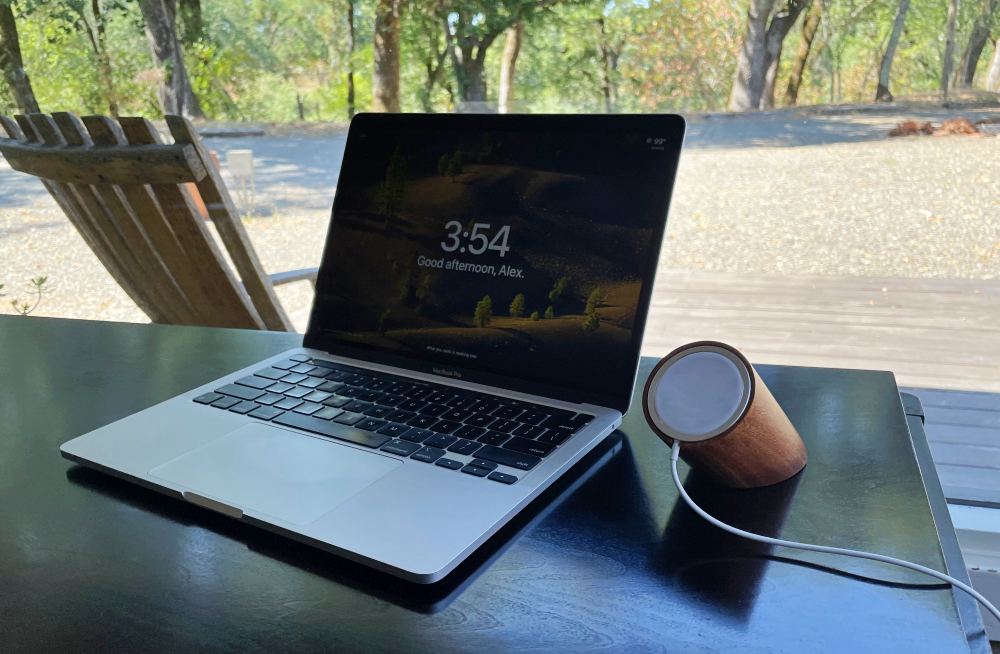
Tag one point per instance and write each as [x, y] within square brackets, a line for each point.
[447, 372]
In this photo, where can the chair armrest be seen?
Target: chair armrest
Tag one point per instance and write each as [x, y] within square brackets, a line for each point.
[287, 277]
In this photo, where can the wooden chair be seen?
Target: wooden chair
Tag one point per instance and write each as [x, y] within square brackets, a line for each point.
[133, 198]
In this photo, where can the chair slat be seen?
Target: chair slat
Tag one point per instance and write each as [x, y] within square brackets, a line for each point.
[150, 283]
[232, 304]
[74, 205]
[224, 214]
[168, 164]
[10, 126]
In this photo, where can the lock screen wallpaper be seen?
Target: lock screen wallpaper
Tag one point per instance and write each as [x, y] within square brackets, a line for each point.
[516, 253]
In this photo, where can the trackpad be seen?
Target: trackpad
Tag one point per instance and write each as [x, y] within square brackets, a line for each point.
[287, 475]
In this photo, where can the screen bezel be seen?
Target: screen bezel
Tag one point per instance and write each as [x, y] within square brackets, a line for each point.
[668, 126]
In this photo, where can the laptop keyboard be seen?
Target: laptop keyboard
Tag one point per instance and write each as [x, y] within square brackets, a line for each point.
[420, 420]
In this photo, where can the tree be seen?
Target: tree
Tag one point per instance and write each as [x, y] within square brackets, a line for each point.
[949, 48]
[534, 316]
[508, 63]
[484, 312]
[11, 63]
[993, 76]
[609, 65]
[558, 289]
[175, 93]
[550, 313]
[760, 53]
[391, 190]
[810, 25]
[517, 306]
[471, 27]
[882, 93]
[192, 22]
[974, 47]
[385, 77]
[383, 322]
[591, 322]
[594, 300]
[350, 60]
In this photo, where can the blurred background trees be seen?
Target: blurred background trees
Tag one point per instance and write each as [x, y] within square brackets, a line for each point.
[286, 60]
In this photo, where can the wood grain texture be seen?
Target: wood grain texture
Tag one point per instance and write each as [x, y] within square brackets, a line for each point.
[761, 449]
[140, 206]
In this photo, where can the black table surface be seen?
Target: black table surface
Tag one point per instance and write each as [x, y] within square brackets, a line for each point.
[607, 559]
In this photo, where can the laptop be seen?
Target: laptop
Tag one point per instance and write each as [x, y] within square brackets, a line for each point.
[475, 332]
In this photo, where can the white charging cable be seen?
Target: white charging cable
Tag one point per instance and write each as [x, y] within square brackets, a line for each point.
[675, 453]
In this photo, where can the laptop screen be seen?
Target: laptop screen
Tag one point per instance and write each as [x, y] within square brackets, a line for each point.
[510, 250]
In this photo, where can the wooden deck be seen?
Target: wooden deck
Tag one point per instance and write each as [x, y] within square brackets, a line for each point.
[940, 337]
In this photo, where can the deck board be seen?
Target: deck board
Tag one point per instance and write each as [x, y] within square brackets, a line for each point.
[941, 338]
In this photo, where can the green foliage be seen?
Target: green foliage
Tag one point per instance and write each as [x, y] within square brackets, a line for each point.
[517, 306]
[550, 313]
[38, 287]
[483, 313]
[534, 316]
[594, 300]
[559, 289]
[591, 322]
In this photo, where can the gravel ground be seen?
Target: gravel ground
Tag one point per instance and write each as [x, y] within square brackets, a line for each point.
[777, 193]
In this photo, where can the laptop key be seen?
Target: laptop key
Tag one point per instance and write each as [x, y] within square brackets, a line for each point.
[411, 405]
[432, 410]
[462, 446]
[528, 431]
[293, 378]
[312, 382]
[502, 477]
[337, 401]
[440, 440]
[242, 392]
[269, 399]
[370, 424]
[331, 429]
[225, 402]
[402, 448]
[445, 426]
[288, 403]
[245, 406]
[493, 438]
[393, 429]
[532, 417]
[480, 463]
[468, 431]
[328, 413]
[475, 471]
[423, 422]
[298, 392]
[508, 458]
[308, 408]
[527, 446]
[299, 357]
[271, 373]
[481, 420]
[349, 418]
[265, 412]
[400, 416]
[330, 386]
[378, 411]
[451, 464]
[428, 454]
[280, 387]
[285, 364]
[317, 396]
[507, 412]
[505, 426]
[208, 398]
[554, 436]
[303, 368]
[357, 406]
[417, 435]
[456, 415]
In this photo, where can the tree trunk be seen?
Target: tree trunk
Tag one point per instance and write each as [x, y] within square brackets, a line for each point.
[882, 93]
[973, 51]
[810, 25]
[751, 64]
[949, 48]
[12, 65]
[508, 63]
[351, 109]
[175, 93]
[993, 76]
[192, 22]
[100, 44]
[385, 80]
[609, 62]
[781, 25]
